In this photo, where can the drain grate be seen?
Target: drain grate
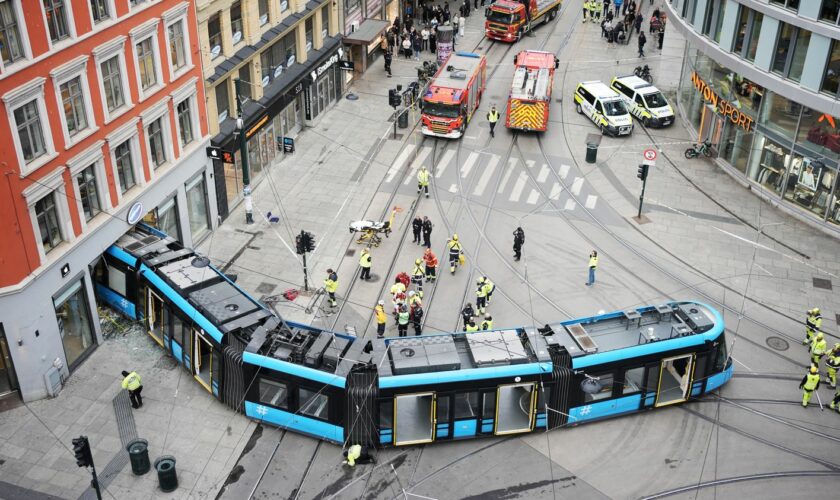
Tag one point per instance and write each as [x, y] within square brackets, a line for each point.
[822, 283]
[778, 343]
[266, 288]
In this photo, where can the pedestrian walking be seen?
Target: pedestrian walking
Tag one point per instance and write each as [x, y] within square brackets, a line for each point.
[417, 274]
[417, 229]
[661, 36]
[388, 57]
[331, 285]
[642, 42]
[418, 46]
[493, 117]
[431, 262]
[637, 22]
[402, 320]
[818, 349]
[518, 241]
[427, 232]
[595, 10]
[605, 8]
[379, 312]
[813, 323]
[424, 35]
[480, 296]
[593, 264]
[631, 7]
[832, 364]
[618, 4]
[487, 324]
[417, 317]
[585, 9]
[455, 251]
[132, 383]
[810, 383]
[467, 314]
[364, 263]
[423, 180]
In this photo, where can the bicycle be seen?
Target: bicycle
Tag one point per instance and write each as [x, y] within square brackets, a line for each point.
[696, 150]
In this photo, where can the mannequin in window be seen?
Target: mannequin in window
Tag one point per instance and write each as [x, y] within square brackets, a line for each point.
[807, 178]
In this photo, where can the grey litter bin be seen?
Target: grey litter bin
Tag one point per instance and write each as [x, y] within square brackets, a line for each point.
[167, 478]
[138, 454]
[592, 143]
[402, 119]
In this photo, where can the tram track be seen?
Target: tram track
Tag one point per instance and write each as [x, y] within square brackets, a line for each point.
[763, 476]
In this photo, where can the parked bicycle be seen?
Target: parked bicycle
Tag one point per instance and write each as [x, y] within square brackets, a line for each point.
[643, 72]
[696, 150]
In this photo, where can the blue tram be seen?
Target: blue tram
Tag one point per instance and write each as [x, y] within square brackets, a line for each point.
[404, 391]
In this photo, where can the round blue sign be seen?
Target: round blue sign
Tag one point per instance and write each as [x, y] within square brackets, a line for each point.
[135, 213]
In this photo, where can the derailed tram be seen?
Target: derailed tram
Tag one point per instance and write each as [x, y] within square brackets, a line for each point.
[404, 391]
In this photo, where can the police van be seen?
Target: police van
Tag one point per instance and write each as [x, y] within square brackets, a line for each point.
[645, 101]
[604, 106]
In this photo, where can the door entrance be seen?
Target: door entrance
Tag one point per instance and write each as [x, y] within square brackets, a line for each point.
[154, 308]
[674, 379]
[414, 418]
[515, 408]
[8, 378]
[203, 360]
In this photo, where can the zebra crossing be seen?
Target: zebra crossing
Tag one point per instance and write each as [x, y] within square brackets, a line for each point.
[479, 168]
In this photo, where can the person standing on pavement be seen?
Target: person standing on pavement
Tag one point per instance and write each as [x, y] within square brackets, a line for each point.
[810, 383]
[379, 312]
[455, 22]
[417, 317]
[424, 34]
[455, 251]
[406, 46]
[471, 326]
[642, 42]
[593, 264]
[518, 241]
[661, 36]
[132, 383]
[364, 263]
[832, 364]
[493, 117]
[637, 22]
[331, 285]
[418, 46]
[431, 262]
[818, 348]
[490, 287]
[417, 229]
[462, 26]
[467, 314]
[402, 320]
[388, 57]
[423, 180]
[618, 4]
[813, 323]
[480, 296]
[487, 324]
[417, 274]
[427, 232]
[585, 9]
[605, 8]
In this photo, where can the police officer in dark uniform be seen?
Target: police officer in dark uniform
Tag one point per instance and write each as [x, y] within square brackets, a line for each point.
[417, 228]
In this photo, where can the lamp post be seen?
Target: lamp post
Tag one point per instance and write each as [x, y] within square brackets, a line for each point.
[243, 155]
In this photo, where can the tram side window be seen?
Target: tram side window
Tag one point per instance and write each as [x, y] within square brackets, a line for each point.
[652, 384]
[542, 391]
[110, 277]
[720, 356]
[386, 414]
[489, 405]
[466, 405]
[634, 380]
[442, 408]
[274, 393]
[606, 381]
[313, 404]
[700, 363]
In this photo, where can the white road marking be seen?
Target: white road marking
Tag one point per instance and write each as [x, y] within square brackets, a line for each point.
[742, 364]
[570, 205]
[576, 185]
[444, 162]
[591, 200]
[486, 175]
[533, 197]
[543, 175]
[468, 165]
[453, 189]
[530, 163]
[511, 164]
[765, 270]
[421, 157]
[556, 189]
[398, 162]
[516, 192]
[564, 171]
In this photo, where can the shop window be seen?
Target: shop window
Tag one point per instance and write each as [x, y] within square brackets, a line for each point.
[197, 207]
[819, 132]
[735, 146]
[11, 48]
[831, 78]
[830, 10]
[274, 394]
[313, 404]
[236, 22]
[466, 405]
[222, 100]
[780, 114]
[810, 183]
[634, 380]
[769, 162]
[49, 223]
[165, 218]
[72, 312]
[788, 4]
[214, 33]
[606, 387]
[833, 208]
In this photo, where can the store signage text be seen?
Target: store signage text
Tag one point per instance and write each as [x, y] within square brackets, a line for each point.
[721, 105]
[320, 69]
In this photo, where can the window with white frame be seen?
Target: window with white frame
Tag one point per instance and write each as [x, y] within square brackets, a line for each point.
[11, 45]
[124, 165]
[89, 182]
[186, 115]
[57, 20]
[146, 64]
[185, 122]
[177, 40]
[154, 134]
[73, 103]
[158, 145]
[88, 193]
[110, 66]
[47, 202]
[144, 41]
[100, 10]
[112, 83]
[177, 45]
[30, 131]
[49, 226]
[27, 116]
[71, 87]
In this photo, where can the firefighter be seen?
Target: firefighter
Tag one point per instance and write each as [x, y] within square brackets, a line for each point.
[493, 117]
[480, 296]
[487, 324]
[431, 262]
[471, 326]
[832, 363]
[402, 320]
[818, 349]
[379, 311]
[490, 287]
[810, 383]
[455, 251]
[467, 314]
[413, 298]
[417, 276]
[417, 228]
[813, 323]
[331, 285]
[423, 180]
[364, 264]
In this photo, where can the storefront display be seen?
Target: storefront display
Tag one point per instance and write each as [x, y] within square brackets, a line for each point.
[72, 312]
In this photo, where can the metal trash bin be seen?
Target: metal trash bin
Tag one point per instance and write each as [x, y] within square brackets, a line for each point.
[402, 119]
[167, 477]
[138, 454]
[592, 143]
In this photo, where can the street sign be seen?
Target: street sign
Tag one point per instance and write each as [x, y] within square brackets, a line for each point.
[346, 65]
[288, 145]
[214, 153]
[135, 213]
[650, 154]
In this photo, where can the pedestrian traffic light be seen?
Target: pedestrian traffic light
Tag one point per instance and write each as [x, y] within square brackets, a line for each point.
[81, 449]
[393, 98]
[643, 172]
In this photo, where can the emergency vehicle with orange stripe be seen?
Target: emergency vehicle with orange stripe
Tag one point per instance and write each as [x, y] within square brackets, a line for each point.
[530, 93]
[453, 95]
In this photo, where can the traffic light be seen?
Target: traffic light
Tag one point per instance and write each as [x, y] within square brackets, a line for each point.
[81, 449]
[643, 172]
[394, 99]
[308, 241]
[299, 247]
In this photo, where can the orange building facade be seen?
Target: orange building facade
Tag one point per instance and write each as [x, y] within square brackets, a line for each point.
[103, 124]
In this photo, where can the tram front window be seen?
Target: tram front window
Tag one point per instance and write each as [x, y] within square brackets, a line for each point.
[721, 356]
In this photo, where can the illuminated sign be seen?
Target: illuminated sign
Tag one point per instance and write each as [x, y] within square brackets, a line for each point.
[723, 107]
[251, 131]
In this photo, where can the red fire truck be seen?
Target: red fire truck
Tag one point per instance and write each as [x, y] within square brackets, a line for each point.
[530, 92]
[509, 20]
[453, 95]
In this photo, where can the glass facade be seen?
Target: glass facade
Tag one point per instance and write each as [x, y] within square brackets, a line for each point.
[72, 312]
[789, 151]
[197, 207]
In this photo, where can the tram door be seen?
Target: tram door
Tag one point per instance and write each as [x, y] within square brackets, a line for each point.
[154, 315]
[414, 418]
[515, 408]
[675, 376]
[202, 356]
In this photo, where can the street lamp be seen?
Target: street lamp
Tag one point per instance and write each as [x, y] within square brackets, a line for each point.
[243, 154]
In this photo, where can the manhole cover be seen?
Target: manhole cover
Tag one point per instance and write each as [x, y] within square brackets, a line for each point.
[778, 343]
[265, 288]
[822, 283]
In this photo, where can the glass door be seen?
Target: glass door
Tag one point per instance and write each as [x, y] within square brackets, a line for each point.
[154, 315]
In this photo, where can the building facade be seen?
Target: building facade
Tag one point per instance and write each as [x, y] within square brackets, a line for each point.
[760, 80]
[104, 125]
[286, 54]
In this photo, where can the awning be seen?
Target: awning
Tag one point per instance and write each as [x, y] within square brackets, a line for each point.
[368, 31]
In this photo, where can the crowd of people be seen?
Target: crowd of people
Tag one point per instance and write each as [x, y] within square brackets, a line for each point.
[619, 19]
[411, 38]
